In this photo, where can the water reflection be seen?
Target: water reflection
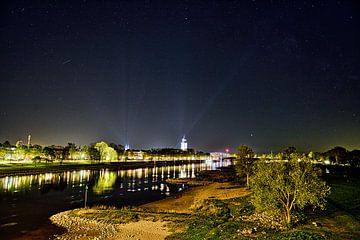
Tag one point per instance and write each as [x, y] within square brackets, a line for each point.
[104, 180]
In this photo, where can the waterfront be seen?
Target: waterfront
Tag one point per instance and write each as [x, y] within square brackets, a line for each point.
[28, 201]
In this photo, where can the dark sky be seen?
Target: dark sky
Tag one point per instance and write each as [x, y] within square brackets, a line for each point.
[265, 73]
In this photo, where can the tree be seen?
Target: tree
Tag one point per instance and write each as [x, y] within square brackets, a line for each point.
[19, 144]
[7, 144]
[36, 159]
[315, 156]
[337, 155]
[102, 147]
[49, 152]
[281, 187]
[93, 153]
[289, 153]
[244, 151]
[106, 153]
[3, 152]
[84, 152]
[245, 161]
[70, 151]
[118, 148]
[354, 158]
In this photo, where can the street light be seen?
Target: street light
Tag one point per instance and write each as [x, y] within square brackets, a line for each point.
[86, 189]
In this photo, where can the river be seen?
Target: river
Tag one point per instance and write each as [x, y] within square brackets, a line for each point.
[28, 201]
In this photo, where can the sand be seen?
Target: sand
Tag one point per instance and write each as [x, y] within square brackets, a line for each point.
[181, 203]
[143, 230]
[184, 202]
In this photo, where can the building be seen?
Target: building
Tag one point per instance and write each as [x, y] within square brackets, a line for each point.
[219, 155]
[184, 144]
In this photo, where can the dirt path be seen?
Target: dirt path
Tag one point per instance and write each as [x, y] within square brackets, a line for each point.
[183, 202]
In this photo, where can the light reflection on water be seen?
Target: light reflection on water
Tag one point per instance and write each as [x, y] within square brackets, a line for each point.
[104, 180]
[27, 202]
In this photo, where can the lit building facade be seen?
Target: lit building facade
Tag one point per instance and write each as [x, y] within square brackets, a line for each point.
[184, 144]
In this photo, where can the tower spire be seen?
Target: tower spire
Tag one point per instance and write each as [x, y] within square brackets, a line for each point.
[29, 140]
[184, 144]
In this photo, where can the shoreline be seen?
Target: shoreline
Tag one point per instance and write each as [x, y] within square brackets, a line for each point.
[40, 228]
[150, 222]
[23, 171]
[162, 217]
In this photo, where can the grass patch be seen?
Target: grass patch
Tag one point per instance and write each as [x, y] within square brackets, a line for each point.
[345, 194]
[216, 219]
[109, 214]
[232, 218]
[296, 235]
[240, 206]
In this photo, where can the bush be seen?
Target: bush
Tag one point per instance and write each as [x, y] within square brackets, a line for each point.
[281, 187]
[300, 235]
[212, 207]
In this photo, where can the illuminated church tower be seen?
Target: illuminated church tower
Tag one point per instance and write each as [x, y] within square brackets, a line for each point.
[29, 141]
[183, 144]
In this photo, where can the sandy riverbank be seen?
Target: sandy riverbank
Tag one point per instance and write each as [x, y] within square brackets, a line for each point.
[185, 201]
[143, 230]
[80, 227]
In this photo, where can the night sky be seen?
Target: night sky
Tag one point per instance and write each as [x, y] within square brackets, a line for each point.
[269, 74]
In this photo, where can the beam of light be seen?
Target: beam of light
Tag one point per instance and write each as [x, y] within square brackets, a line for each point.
[135, 90]
[67, 61]
[207, 106]
[219, 91]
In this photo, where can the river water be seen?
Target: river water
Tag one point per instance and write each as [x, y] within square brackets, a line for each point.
[28, 201]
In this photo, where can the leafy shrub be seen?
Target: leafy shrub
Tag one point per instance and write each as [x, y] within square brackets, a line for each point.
[300, 235]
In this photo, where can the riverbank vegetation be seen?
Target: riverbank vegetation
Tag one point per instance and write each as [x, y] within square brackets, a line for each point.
[100, 152]
[221, 206]
[280, 188]
[233, 218]
[288, 195]
[109, 152]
